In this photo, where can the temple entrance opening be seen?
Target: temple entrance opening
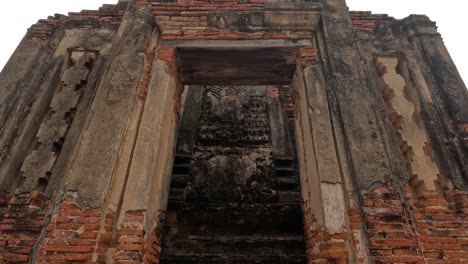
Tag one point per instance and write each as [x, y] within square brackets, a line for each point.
[234, 195]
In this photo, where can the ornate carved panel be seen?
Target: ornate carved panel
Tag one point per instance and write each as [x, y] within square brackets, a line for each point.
[232, 160]
[234, 114]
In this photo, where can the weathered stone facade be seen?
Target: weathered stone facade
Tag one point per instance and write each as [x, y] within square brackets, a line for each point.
[237, 131]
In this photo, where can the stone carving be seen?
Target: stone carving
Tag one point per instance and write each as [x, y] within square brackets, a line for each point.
[231, 175]
[38, 165]
[404, 116]
[232, 183]
[235, 115]
[232, 161]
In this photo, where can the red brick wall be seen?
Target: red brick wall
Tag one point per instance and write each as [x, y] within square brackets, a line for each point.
[187, 20]
[44, 28]
[397, 228]
[152, 250]
[21, 222]
[464, 133]
[71, 234]
[90, 236]
[429, 228]
[366, 21]
[321, 246]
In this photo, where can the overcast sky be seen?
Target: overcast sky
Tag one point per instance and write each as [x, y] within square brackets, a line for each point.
[17, 16]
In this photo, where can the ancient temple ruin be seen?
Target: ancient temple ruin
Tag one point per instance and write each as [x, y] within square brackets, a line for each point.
[233, 132]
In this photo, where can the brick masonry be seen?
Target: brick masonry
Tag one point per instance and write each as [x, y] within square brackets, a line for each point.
[388, 224]
[21, 222]
[45, 28]
[429, 228]
[321, 245]
[90, 236]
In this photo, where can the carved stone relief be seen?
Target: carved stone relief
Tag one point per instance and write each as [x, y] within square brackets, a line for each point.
[38, 165]
[233, 160]
[402, 111]
[233, 114]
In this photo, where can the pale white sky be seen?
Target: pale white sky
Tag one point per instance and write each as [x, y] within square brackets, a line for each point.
[17, 16]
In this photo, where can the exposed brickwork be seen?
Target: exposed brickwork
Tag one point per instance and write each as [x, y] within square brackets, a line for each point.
[44, 28]
[147, 74]
[463, 128]
[391, 237]
[71, 234]
[366, 21]
[307, 55]
[321, 246]
[181, 21]
[78, 236]
[21, 222]
[442, 226]
[188, 20]
[358, 236]
[429, 229]
[107, 239]
[464, 133]
[166, 54]
[130, 238]
[154, 239]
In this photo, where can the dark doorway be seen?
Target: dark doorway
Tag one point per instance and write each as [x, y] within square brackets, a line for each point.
[234, 195]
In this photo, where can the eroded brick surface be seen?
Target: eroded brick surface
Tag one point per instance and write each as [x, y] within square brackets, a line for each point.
[426, 229]
[71, 234]
[21, 223]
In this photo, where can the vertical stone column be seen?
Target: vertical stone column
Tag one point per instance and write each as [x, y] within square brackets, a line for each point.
[357, 117]
[27, 85]
[347, 79]
[115, 102]
[443, 69]
[446, 87]
[151, 165]
[80, 228]
[28, 82]
[38, 166]
[189, 120]
[280, 137]
[325, 212]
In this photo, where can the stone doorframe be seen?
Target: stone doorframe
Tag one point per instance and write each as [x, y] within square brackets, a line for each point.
[244, 63]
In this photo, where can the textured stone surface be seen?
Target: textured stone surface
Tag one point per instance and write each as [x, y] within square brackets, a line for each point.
[216, 212]
[104, 158]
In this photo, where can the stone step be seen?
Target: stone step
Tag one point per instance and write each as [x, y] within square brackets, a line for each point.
[176, 196]
[287, 183]
[274, 219]
[235, 245]
[225, 259]
[290, 196]
[284, 162]
[179, 181]
[282, 171]
[182, 159]
[176, 193]
[181, 169]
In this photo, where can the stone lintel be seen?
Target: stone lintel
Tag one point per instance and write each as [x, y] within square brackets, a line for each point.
[229, 66]
[237, 43]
